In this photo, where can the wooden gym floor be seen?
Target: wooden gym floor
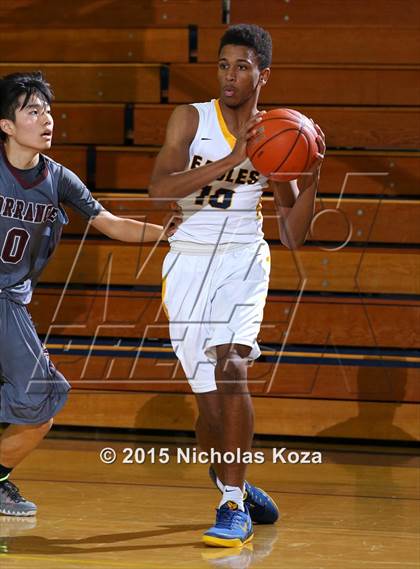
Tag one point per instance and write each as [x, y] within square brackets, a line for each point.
[359, 509]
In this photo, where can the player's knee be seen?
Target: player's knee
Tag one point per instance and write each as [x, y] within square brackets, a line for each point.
[231, 372]
[231, 366]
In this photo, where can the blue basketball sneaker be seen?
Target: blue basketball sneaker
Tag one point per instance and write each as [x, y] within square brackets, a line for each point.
[233, 527]
[262, 508]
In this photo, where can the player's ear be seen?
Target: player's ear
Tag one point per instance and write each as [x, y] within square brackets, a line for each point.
[264, 75]
[7, 126]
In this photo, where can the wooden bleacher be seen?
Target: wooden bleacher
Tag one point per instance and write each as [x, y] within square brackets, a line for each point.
[89, 123]
[360, 13]
[352, 269]
[340, 337]
[105, 83]
[309, 84]
[111, 14]
[352, 221]
[96, 45]
[332, 44]
[365, 172]
[350, 127]
[345, 320]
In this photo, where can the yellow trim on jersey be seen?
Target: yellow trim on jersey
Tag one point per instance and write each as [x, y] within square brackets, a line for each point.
[259, 209]
[230, 139]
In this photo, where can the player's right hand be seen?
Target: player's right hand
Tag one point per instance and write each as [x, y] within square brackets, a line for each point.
[247, 131]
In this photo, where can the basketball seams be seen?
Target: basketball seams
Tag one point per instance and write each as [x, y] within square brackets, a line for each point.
[269, 139]
[308, 154]
[291, 149]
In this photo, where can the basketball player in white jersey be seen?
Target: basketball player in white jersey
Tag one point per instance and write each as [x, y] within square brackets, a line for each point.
[215, 278]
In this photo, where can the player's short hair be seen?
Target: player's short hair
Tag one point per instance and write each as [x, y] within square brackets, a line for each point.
[16, 85]
[251, 36]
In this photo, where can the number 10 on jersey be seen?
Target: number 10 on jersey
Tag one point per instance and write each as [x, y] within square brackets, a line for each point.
[222, 198]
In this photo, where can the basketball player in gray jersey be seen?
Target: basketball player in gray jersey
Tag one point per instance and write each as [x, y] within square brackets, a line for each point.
[33, 189]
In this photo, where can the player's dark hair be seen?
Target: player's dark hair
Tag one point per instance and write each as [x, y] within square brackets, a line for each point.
[16, 85]
[251, 36]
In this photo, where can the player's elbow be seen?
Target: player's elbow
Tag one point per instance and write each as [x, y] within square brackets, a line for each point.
[108, 224]
[158, 189]
[154, 190]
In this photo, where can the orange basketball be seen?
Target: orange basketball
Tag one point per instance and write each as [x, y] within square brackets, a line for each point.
[285, 146]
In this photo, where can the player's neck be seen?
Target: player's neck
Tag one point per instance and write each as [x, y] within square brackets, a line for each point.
[235, 117]
[20, 156]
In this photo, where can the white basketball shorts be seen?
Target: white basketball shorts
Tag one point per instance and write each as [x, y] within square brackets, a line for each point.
[213, 299]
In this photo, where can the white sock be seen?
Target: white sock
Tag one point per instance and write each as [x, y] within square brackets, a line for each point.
[233, 494]
[221, 486]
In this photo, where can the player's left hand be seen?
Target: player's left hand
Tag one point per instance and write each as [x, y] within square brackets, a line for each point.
[311, 176]
[173, 220]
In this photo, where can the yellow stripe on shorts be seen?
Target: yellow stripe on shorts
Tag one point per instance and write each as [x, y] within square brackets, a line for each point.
[163, 297]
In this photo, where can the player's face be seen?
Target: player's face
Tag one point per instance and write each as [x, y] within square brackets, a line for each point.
[238, 74]
[33, 125]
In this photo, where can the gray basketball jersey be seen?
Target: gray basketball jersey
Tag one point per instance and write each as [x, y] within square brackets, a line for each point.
[31, 221]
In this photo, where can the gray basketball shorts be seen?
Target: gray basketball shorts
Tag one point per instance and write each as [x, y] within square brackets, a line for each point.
[31, 389]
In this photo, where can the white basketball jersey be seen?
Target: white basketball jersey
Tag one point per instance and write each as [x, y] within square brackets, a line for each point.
[229, 209]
